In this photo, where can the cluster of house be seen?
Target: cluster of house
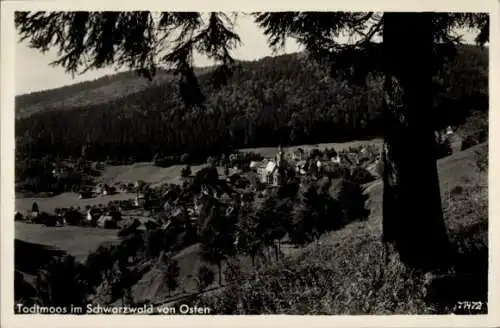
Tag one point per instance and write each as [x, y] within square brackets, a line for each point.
[60, 172]
[103, 218]
[103, 189]
[273, 171]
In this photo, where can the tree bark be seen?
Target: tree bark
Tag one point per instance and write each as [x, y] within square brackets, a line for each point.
[219, 265]
[412, 214]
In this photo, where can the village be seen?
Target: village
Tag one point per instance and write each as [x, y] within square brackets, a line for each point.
[259, 175]
[143, 204]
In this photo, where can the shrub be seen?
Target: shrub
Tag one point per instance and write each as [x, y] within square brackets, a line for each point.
[482, 159]
[186, 172]
[211, 161]
[352, 201]
[98, 262]
[129, 229]
[206, 277]
[443, 148]
[477, 136]
[110, 224]
[172, 274]
[73, 217]
[154, 243]
[468, 142]
[57, 277]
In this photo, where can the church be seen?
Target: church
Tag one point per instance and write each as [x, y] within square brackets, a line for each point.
[273, 172]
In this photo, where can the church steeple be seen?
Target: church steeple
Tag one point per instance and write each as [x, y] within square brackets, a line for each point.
[279, 157]
[280, 166]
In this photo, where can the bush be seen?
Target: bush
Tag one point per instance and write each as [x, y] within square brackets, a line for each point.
[73, 217]
[154, 243]
[443, 148]
[172, 274]
[478, 133]
[186, 172]
[468, 142]
[98, 262]
[482, 159]
[110, 224]
[206, 277]
[56, 278]
[352, 201]
[129, 229]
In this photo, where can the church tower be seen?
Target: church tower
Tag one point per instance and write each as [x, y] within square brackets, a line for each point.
[280, 157]
[280, 166]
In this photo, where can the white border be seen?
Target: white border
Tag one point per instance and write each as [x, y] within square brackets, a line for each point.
[8, 39]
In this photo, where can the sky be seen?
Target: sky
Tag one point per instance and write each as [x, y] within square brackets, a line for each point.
[33, 72]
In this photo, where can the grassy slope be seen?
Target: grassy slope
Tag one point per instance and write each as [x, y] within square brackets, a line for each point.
[67, 199]
[343, 274]
[102, 90]
[99, 91]
[76, 241]
[353, 254]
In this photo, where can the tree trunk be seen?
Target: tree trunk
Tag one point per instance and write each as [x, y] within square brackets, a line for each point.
[412, 214]
[219, 265]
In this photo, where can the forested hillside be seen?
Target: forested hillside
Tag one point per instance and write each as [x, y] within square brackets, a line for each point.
[288, 99]
[98, 91]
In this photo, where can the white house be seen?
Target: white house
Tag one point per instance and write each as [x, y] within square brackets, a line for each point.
[336, 159]
[139, 200]
[300, 167]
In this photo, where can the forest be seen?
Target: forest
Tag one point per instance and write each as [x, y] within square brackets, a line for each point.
[287, 99]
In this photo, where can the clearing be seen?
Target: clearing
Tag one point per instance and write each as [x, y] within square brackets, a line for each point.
[271, 151]
[76, 241]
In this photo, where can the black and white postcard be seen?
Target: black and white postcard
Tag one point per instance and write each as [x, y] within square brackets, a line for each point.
[329, 164]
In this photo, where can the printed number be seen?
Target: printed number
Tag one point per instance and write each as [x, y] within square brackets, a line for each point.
[468, 305]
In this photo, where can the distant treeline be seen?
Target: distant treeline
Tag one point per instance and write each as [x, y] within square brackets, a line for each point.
[287, 99]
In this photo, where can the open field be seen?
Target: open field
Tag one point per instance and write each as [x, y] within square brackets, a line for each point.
[122, 173]
[271, 151]
[67, 199]
[76, 241]
[146, 172]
